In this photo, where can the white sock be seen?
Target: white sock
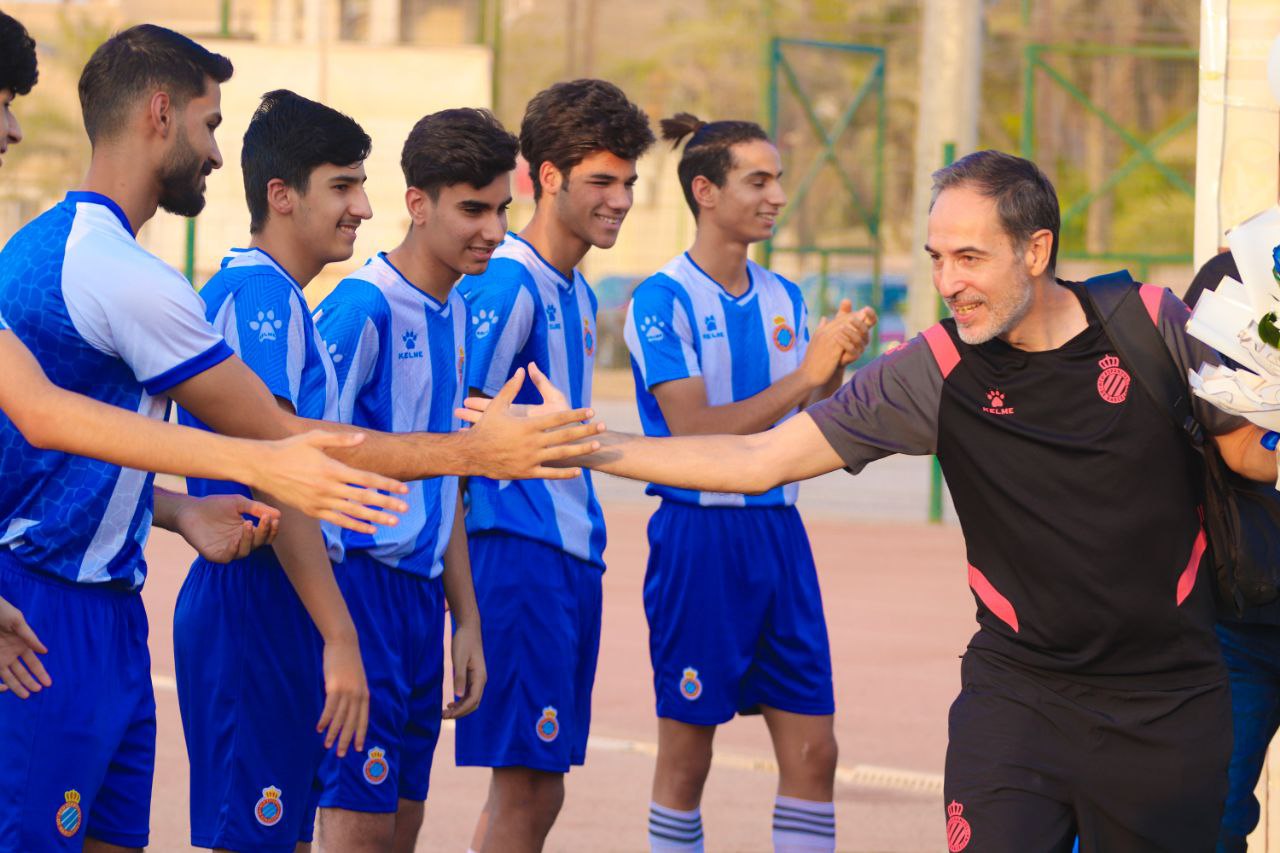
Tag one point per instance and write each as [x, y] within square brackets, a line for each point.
[803, 826]
[672, 829]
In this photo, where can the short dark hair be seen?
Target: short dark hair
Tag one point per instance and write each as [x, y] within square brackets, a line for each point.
[288, 137]
[17, 56]
[457, 146]
[1025, 198]
[133, 62]
[568, 122]
[708, 152]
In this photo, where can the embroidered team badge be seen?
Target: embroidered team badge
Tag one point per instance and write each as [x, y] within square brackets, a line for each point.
[269, 809]
[958, 831]
[588, 340]
[1113, 384]
[784, 337]
[375, 767]
[690, 686]
[69, 814]
[548, 727]
[462, 359]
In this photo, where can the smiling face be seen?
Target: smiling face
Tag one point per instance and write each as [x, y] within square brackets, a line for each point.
[982, 275]
[461, 228]
[593, 199]
[746, 208]
[326, 217]
[192, 154]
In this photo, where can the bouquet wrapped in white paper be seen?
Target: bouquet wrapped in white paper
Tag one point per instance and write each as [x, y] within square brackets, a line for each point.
[1239, 320]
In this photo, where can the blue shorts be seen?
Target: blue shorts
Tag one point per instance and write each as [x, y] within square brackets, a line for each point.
[540, 614]
[77, 758]
[251, 690]
[400, 619]
[735, 614]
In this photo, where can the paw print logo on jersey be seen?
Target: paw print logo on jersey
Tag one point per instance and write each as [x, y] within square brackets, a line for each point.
[1113, 383]
[270, 807]
[690, 686]
[375, 767]
[784, 337]
[958, 830]
[548, 727]
[266, 325]
[653, 329]
[334, 355]
[410, 339]
[997, 399]
[588, 340]
[483, 322]
[69, 816]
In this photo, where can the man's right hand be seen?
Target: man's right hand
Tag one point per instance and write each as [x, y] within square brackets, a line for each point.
[503, 444]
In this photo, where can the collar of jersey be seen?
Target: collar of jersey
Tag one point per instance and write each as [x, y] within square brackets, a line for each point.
[566, 280]
[270, 261]
[747, 294]
[79, 196]
[433, 303]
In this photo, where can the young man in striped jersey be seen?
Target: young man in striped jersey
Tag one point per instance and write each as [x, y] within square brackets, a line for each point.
[537, 548]
[721, 345]
[397, 330]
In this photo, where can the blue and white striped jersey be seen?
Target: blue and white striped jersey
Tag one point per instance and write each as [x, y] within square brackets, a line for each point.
[260, 310]
[109, 320]
[522, 310]
[400, 358]
[682, 323]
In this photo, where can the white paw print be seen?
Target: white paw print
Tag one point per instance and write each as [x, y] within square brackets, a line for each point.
[483, 322]
[334, 354]
[652, 328]
[265, 326]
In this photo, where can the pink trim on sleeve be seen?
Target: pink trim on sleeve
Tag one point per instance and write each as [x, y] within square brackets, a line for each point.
[943, 348]
[1151, 297]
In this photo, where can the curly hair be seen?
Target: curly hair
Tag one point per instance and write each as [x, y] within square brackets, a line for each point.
[457, 146]
[708, 150]
[566, 123]
[18, 71]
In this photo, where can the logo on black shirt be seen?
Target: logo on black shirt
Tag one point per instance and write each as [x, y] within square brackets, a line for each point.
[996, 398]
[1113, 384]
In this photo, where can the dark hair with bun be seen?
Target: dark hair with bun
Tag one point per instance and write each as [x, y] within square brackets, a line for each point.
[708, 151]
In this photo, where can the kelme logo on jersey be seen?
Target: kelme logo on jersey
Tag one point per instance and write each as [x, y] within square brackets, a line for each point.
[335, 356]
[588, 340]
[266, 326]
[552, 322]
[1113, 383]
[375, 766]
[784, 337]
[483, 322]
[652, 329]
[548, 727]
[958, 831]
[997, 399]
[690, 686]
[69, 815]
[270, 808]
[411, 350]
[713, 328]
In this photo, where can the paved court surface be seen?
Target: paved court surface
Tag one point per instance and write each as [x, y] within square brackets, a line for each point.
[899, 614]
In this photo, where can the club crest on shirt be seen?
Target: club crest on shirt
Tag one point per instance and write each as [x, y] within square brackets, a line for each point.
[588, 340]
[462, 360]
[997, 399]
[784, 337]
[270, 808]
[411, 350]
[958, 831]
[548, 727]
[690, 686]
[375, 766]
[69, 816]
[1113, 383]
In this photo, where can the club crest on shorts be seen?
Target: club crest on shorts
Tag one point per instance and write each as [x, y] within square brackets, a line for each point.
[690, 686]
[69, 816]
[269, 809]
[958, 831]
[784, 337]
[548, 727]
[375, 766]
[1113, 384]
[588, 340]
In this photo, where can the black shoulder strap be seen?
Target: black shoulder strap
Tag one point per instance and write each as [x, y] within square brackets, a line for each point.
[1124, 318]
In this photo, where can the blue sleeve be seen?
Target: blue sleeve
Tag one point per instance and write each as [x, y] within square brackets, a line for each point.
[352, 321]
[659, 335]
[502, 312]
[270, 324]
[4, 327]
